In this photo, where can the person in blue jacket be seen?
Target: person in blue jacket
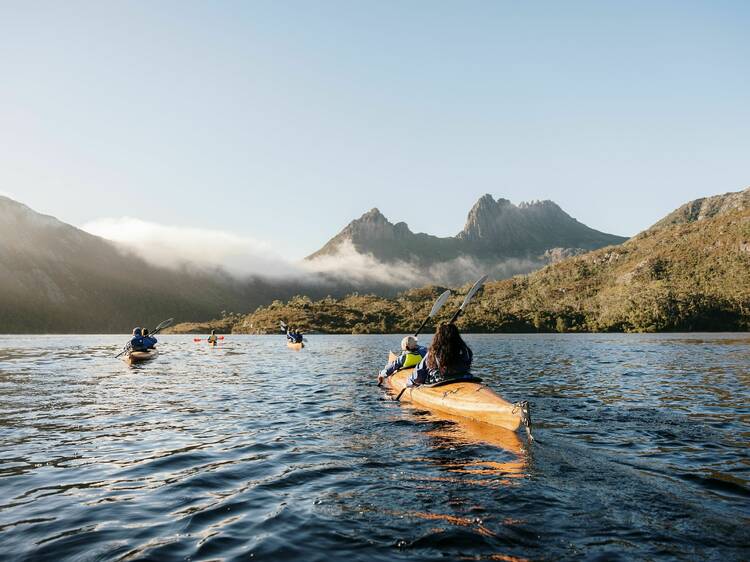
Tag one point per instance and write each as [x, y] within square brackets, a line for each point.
[137, 342]
[149, 340]
[447, 358]
[411, 354]
[292, 336]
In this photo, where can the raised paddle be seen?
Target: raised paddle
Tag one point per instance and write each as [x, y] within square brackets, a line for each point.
[153, 332]
[469, 296]
[441, 300]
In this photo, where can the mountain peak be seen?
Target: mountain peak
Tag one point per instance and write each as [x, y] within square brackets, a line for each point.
[502, 228]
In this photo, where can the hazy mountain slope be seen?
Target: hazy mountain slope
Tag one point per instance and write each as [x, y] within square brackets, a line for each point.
[57, 278]
[685, 273]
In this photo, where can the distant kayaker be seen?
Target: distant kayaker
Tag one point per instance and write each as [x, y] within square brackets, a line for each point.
[148, 340]
[137, 342]
[447, 358]
[411, 355]
[292, 336]
[212, 338]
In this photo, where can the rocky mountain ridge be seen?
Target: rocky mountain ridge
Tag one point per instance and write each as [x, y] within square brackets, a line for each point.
[495, 230]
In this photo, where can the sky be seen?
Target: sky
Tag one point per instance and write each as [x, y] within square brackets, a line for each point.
[281, 121]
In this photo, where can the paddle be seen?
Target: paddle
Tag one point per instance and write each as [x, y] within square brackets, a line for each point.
[153, 332]
[441, 300]
[201, 339]
[470, 295]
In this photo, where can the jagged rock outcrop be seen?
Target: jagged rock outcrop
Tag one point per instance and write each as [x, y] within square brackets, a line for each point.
[499, 228]
[707, 207]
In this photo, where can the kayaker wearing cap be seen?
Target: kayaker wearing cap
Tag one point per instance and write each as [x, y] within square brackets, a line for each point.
[411, 354]
[448, 358]
[149, 341]
[137, 342]
[212, 338]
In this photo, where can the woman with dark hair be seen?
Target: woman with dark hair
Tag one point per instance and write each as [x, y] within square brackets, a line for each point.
[447, 358]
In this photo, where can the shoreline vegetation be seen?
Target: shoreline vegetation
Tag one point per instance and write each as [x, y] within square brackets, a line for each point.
[690, 272]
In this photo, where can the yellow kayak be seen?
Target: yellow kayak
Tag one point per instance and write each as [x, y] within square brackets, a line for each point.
[133, 357]
[296, 346]
[465, 399]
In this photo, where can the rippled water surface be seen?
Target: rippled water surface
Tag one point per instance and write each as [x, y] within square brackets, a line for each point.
[253, 451]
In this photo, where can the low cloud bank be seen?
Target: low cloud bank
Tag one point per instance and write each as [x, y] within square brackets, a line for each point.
[177, 246]
[349, 264]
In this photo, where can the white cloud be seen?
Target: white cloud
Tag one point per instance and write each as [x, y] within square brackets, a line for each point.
[173, 246]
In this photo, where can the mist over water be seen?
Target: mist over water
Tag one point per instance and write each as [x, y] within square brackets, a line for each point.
[253, 450]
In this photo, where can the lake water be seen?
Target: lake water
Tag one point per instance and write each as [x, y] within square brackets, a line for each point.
[253, 451]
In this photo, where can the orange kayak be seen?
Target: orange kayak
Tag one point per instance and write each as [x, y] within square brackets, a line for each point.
[471, 400]
[296, 346]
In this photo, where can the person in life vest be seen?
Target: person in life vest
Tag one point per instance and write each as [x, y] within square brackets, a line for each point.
[137, 342]
[148, 340]
[212, 339]
[411, 354]
[447, 358]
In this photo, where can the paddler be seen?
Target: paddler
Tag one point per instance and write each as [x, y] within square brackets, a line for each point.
[137, 343]
[447, 358]
[212, 339]
[411, 355]
[148, 340]
[292, 336]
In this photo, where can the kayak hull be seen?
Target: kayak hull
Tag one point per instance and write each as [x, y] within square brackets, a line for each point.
[296, 346]
[134, 357]
[470, 400]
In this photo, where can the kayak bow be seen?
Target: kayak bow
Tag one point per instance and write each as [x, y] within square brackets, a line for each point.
[296, 346]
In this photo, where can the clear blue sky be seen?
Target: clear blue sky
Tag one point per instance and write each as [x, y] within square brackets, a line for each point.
[285, 120]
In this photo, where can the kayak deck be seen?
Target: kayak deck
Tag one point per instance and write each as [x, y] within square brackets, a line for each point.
[297, 346]
[133, 357]
[470, 400]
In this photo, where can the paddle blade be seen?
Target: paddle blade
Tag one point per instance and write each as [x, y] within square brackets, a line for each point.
[442, 299]
[283, 325]
[196, 339]
[221, 337]
[473, 291]
[166, 323]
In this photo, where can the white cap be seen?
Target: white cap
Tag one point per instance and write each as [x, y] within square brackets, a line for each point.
[409, 342]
